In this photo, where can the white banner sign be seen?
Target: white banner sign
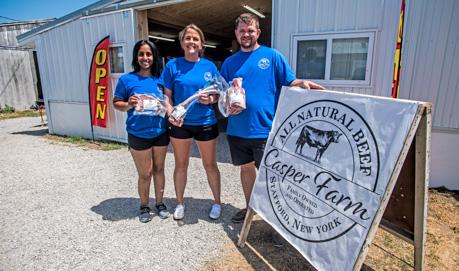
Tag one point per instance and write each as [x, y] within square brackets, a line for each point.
[326, 166]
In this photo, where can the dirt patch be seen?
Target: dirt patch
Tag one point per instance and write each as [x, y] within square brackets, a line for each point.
[386, 252]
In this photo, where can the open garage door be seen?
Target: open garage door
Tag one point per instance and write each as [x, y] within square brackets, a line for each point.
[214, 17]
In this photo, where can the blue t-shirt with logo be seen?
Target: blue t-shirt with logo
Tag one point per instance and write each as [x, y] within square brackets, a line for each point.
[142, 126]
[264, 72]
[185, 78]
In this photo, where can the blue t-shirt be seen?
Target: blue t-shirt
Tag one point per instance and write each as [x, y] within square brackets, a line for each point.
[142, 126]
[185, 78]
[264, 71]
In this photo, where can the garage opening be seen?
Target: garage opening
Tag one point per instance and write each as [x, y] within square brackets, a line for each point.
[215, 18]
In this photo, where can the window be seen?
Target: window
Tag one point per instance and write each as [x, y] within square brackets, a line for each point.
[335, 59]
[116, 59]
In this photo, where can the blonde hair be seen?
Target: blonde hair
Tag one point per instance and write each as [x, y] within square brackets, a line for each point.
[200, 33]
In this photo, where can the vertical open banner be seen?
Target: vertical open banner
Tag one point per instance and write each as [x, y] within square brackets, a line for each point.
[98, 84]
[329, 167]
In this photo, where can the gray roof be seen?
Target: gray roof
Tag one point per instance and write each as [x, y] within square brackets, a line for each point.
[67, 18]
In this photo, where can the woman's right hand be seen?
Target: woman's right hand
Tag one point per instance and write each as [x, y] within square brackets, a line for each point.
[175, 122]
[132, 102]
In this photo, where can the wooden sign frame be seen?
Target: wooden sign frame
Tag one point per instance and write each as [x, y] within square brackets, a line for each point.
[418, 139]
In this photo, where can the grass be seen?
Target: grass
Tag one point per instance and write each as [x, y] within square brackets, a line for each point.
[86, 143]
[18, 114]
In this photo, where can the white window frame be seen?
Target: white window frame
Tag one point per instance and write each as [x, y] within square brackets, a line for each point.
[123, 49]
[370, 34]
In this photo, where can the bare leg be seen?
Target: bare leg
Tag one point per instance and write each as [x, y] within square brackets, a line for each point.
[143, 163]
[159, 156]
[208, 151]
[182, 158]
[248, 176]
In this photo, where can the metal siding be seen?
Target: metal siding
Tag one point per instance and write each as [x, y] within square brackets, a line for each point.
[70, 119]
[63, 71]
[284, 24]
[120, 27]
[430, 58]
[385, 43]
[324, 23]
[319, 16]
[64, 57]
[343, 9]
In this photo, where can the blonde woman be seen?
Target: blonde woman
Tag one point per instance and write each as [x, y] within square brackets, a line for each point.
[182, 77]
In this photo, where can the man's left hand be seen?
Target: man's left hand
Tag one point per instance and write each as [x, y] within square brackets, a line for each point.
[305, 84]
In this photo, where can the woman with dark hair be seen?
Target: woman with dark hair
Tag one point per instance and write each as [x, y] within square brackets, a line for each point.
[182, 78]
[147, 136]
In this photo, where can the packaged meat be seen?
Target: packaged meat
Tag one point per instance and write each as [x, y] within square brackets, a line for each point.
[149, 105]
[234, 96]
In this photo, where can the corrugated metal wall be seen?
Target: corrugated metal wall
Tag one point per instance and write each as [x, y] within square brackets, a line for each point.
[321, 16]
[65, 54]
[17, 70]
[430, 58]
[120, 27]
[63, 69]
[430, 72]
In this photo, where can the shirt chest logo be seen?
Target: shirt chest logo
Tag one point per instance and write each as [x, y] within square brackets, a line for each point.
[263, 63]
[207, 76]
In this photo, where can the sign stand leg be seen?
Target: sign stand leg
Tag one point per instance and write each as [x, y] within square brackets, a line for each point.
[246, 227]
[422, 172]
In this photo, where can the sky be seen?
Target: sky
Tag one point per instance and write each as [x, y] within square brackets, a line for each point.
[26, 10]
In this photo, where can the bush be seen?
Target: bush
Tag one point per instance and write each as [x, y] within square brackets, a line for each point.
[7, 109]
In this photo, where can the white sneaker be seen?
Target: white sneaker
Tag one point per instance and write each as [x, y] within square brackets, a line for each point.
[215, 211]
[179, 212]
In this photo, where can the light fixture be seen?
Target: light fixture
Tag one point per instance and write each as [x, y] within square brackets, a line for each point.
[210, 46]
[161, 38]
[256, 12]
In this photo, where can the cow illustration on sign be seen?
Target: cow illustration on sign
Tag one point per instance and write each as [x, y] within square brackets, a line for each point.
[316, 138]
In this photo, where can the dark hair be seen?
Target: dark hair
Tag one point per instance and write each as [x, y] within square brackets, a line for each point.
[246, 18]
[200, 33]
[156, 68]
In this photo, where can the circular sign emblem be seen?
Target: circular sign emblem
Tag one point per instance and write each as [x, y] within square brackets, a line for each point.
[322, 168]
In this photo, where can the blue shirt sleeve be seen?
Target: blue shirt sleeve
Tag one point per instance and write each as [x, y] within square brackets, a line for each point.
[121, 91]
[284, 73]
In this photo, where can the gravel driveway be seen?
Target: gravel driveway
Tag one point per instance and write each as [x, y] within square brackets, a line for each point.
[65, 207]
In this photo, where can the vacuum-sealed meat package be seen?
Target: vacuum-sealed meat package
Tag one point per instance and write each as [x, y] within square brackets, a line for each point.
[149, 105]
[234, 96]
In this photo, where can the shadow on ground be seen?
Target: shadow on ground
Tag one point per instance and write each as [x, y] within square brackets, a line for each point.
[117, 209]
[266, 250]
[39, 132]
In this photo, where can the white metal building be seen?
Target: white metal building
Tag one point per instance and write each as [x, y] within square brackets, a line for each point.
[351, 44]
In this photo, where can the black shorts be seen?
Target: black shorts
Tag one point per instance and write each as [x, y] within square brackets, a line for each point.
[139, 144]
[200, 132]
[246, 150]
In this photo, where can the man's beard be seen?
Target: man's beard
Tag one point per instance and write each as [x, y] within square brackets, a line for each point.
[250, 45]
